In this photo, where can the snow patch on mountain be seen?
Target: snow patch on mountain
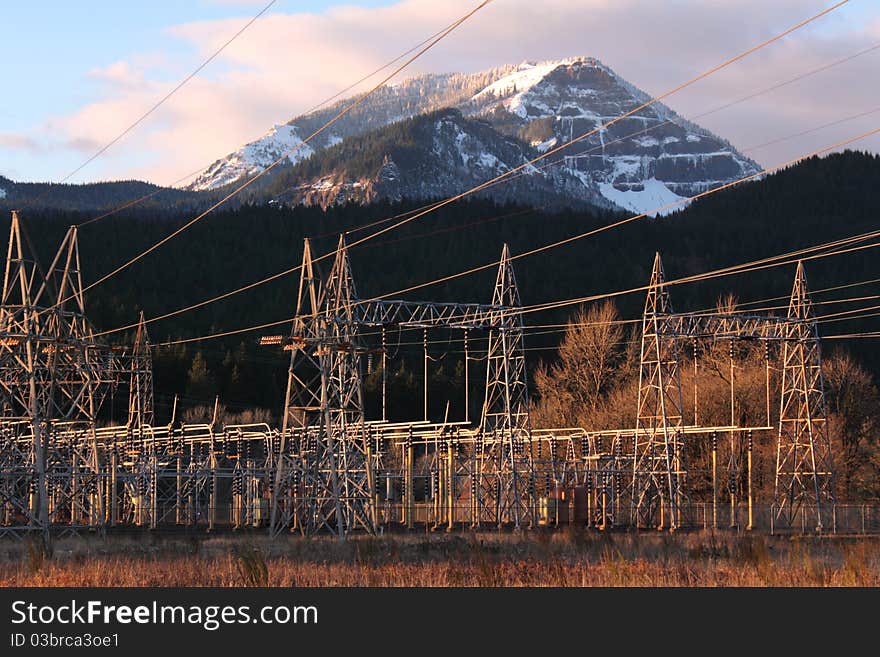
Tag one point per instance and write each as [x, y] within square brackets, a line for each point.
[649, 154]
[650, 158]
[653, 196]
[471, 151]
[2, 193]
[282, 141]
[544, 146]
[516, 85]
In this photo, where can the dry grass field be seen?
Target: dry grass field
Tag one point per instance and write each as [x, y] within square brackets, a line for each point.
[561, 558]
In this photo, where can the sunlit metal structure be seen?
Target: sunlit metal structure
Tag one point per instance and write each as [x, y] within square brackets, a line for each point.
[327, 467]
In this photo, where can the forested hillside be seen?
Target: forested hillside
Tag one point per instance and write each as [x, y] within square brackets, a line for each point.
[814, 202]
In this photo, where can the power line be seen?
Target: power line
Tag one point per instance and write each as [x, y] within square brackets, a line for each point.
[742, 268]
[517, 171]
[827, 289]
[851, 336]
[764, 263]
[803, 133]
[164, 98]
[727, 105]
[286, 153]
[747, 97]
[313, 108]
[605, 126]
[631, 219]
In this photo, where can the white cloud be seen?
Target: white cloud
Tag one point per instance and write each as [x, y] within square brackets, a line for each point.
[285, 63]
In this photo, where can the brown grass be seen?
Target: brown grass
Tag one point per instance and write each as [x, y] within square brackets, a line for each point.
[563, 558]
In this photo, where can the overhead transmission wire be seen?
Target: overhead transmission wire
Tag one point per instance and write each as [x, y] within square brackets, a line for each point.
[742, 99]
[730, 270]
[826, 289]
[766, 263]
[313, 108]
[636, 217]
[523, 167]
[656, 126]
[852, 336]
[532, 210]
[749, 149]
[564, 327]
[819, 318]
[168, 95]
[736, 269]
[605, 126]
[548, 329]
[556, 162]
[237, 190]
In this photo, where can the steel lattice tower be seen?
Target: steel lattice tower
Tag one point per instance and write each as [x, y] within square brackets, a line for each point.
[659, 460]
[507, 466]
[803, 456]
[333, 487]
[302, 403]
[303, 398]
[341, 465]
[51, 369]
[140, 393]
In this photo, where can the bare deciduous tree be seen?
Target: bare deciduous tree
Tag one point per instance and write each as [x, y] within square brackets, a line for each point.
[591, 356]
[853, 407]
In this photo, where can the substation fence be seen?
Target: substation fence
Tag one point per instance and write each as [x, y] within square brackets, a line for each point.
[842, 519]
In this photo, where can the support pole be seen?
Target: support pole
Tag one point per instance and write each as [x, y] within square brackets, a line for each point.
[114, 502]
[154, 490]
[475, 481]
[178, 494]
[450, 485]
[409, 503]
[696, 383]
[733, 460]
[749, 466]
[384, 375]
[467, 406]
[371, 481]
[714, 480]
[75, 488]
[212, 498]
[767, 381]
[425, 349]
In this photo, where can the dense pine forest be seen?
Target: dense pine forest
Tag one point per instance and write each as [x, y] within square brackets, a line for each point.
[814, 202]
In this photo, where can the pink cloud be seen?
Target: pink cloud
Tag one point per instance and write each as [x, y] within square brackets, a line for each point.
[285, 63]
[19, 142]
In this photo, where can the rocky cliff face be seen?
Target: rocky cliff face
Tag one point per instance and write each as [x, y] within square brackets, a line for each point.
[509, 115]
[434, 155]
[653, 155]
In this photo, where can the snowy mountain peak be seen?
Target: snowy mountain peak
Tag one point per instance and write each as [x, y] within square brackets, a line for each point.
[648, 159]
[514, 86]
[281, 141]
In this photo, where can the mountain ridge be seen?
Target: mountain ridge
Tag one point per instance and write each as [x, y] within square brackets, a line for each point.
[494, 121]
[654, 155]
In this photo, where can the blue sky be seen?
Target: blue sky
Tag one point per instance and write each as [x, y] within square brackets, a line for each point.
[77, 71]
[50, 65]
